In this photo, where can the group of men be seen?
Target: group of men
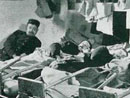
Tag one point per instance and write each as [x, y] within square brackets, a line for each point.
[24, 43]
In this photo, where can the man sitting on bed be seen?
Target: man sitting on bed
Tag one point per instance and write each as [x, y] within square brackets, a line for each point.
[21, 42]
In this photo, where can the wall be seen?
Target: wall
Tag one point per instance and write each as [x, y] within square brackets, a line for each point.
[13, 13]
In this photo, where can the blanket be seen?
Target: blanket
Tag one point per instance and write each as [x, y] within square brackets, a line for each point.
[35, 61]
[65, 89]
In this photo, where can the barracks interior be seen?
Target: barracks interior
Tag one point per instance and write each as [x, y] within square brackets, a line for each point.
[64, 48]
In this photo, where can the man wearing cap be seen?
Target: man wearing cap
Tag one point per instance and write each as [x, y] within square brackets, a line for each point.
[20, 42]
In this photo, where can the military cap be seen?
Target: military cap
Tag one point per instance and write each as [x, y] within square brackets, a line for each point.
[34, 21]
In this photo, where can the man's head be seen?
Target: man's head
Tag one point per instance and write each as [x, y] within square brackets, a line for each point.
[54, 50]
[85, 46]
[32, 27]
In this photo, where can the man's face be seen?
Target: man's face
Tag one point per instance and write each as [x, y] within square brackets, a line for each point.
[84, 47]
[31, 29]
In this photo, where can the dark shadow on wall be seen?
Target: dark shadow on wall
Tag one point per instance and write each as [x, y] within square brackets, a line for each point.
[58, 21]
[21, 27]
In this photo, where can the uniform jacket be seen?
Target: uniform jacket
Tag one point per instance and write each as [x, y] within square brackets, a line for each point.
[18, 43]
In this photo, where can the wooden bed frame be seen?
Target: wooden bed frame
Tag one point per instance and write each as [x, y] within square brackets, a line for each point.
[35, 88]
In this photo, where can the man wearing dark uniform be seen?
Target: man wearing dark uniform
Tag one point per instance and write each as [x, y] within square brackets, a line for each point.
[21, 42]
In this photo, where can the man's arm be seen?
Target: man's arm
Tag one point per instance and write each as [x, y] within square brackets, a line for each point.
[32, 45]
[10, 44]
[38, 43]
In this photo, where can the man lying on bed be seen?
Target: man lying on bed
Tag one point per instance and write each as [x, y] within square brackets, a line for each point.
[20, 42]
[84, 58]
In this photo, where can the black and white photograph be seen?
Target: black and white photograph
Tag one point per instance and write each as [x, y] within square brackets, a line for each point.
[64, 48]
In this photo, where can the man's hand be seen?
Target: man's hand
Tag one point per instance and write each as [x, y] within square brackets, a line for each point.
[24, 54]
[14, 55]
[54, 64]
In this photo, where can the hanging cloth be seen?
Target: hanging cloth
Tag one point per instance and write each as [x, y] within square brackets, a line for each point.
[119, 26]
[63, 9]
[71, 4]
[126, 9]
[43, 9]
[82, 9]
[54, 5]
[128, 19]
[104, 23]
[127, 4]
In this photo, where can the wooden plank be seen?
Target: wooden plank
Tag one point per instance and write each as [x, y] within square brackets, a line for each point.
[1, 96]
[86, 92]
[113, 76]
[31, 87]
[17, 72]
[11, 62]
